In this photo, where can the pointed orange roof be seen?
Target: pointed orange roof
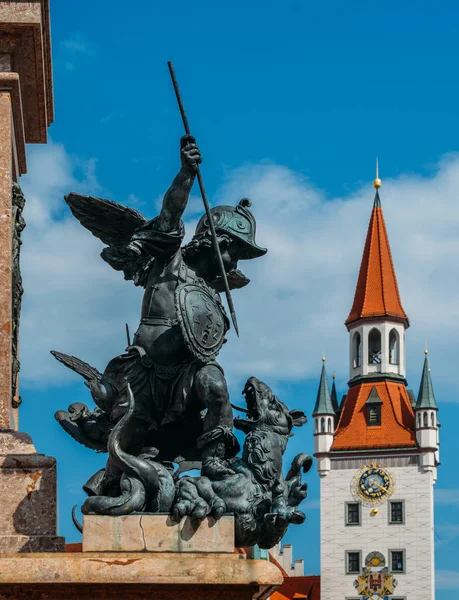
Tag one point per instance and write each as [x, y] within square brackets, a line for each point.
[377, 294]
[397, 428]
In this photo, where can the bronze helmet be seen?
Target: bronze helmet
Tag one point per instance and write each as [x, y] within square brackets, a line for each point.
[238, 221]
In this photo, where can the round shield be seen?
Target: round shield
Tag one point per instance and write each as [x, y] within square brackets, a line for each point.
[202, 319]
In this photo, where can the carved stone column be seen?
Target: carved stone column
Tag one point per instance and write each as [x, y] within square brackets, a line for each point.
[6, 152]
[28, 518]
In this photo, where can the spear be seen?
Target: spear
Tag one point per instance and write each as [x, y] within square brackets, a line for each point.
[206, 204]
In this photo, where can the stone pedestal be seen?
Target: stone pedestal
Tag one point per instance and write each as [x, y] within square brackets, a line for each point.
[139, 576]
[28, 516]
[158, 533]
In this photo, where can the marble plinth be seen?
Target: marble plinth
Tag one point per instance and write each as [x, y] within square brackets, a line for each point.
[121, 576]
[157, 533]
[28, 515]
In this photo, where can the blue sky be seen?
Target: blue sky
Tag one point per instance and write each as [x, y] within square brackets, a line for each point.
[290, 102]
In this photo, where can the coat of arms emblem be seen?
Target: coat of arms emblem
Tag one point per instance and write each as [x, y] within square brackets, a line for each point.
[375, 583]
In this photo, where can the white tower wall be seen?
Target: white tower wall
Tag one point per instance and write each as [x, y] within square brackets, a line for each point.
[413, 486]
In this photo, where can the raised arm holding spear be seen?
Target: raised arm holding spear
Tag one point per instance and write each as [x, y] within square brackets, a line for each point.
[229, 299]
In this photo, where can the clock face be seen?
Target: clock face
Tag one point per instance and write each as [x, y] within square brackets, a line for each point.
[372, 485]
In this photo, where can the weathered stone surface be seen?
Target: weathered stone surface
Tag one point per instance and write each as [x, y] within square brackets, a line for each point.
[138, 575]
[6, 415]
[28, 518]
[157, 533]
[25, 37]
[126, 592]
[10, 544]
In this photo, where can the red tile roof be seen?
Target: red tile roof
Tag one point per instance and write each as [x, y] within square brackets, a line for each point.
[376, 294]
[299, 587]
[397, 419]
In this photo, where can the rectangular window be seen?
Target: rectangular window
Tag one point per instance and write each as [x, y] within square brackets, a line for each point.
[352, 513]
[397, 561]
[353, 561]
[396, 512]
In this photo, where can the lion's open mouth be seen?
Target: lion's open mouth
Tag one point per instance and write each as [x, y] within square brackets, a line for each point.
[250, 393]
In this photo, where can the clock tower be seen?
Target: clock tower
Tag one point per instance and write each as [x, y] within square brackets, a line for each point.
[377, 452]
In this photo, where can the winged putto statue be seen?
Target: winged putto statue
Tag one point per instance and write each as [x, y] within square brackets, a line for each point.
[165, 399]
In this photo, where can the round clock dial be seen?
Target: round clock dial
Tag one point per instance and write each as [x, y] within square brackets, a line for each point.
[372, 485]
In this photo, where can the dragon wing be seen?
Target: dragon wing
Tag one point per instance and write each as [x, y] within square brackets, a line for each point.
[114, 225]
[79, 366]
[90, 428]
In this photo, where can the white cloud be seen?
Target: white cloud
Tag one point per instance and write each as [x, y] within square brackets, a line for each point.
[73, 301]
[77, 44]
[74, 49]
[300, 293]
[447, 580]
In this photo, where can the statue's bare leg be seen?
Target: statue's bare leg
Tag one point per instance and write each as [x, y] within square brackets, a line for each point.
[211, 390]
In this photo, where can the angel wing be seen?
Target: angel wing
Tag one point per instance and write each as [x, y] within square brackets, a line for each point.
[114, 225]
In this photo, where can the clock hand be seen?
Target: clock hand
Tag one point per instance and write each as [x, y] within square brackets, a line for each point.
[379, 486]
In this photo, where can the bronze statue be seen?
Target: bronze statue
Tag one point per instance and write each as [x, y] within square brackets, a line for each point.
[170, 365]
[165, 400]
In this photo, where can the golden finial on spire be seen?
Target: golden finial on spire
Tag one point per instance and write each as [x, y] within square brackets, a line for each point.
[323, 355]
[377, 183]
[425, 347]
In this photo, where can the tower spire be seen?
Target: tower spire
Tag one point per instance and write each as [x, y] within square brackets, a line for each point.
[426, 396]
[323, 404]
[376, 294]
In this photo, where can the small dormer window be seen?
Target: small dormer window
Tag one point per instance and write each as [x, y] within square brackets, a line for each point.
[374, 416]
[373, 408]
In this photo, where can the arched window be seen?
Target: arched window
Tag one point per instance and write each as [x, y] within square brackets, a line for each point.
[374, 347]
[317, 425]
[322, 425]
[329, 425]
[425, 421]
[432, 419]
[357, 350]
[419, 420]
[394, 347]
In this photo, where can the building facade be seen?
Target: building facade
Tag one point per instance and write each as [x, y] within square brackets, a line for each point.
[377, 451]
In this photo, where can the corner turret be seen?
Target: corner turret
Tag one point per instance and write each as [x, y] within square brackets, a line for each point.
[324, 424]
[427, 420]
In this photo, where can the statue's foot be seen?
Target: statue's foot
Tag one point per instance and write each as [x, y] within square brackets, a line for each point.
[218, 508]
[196, 509]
